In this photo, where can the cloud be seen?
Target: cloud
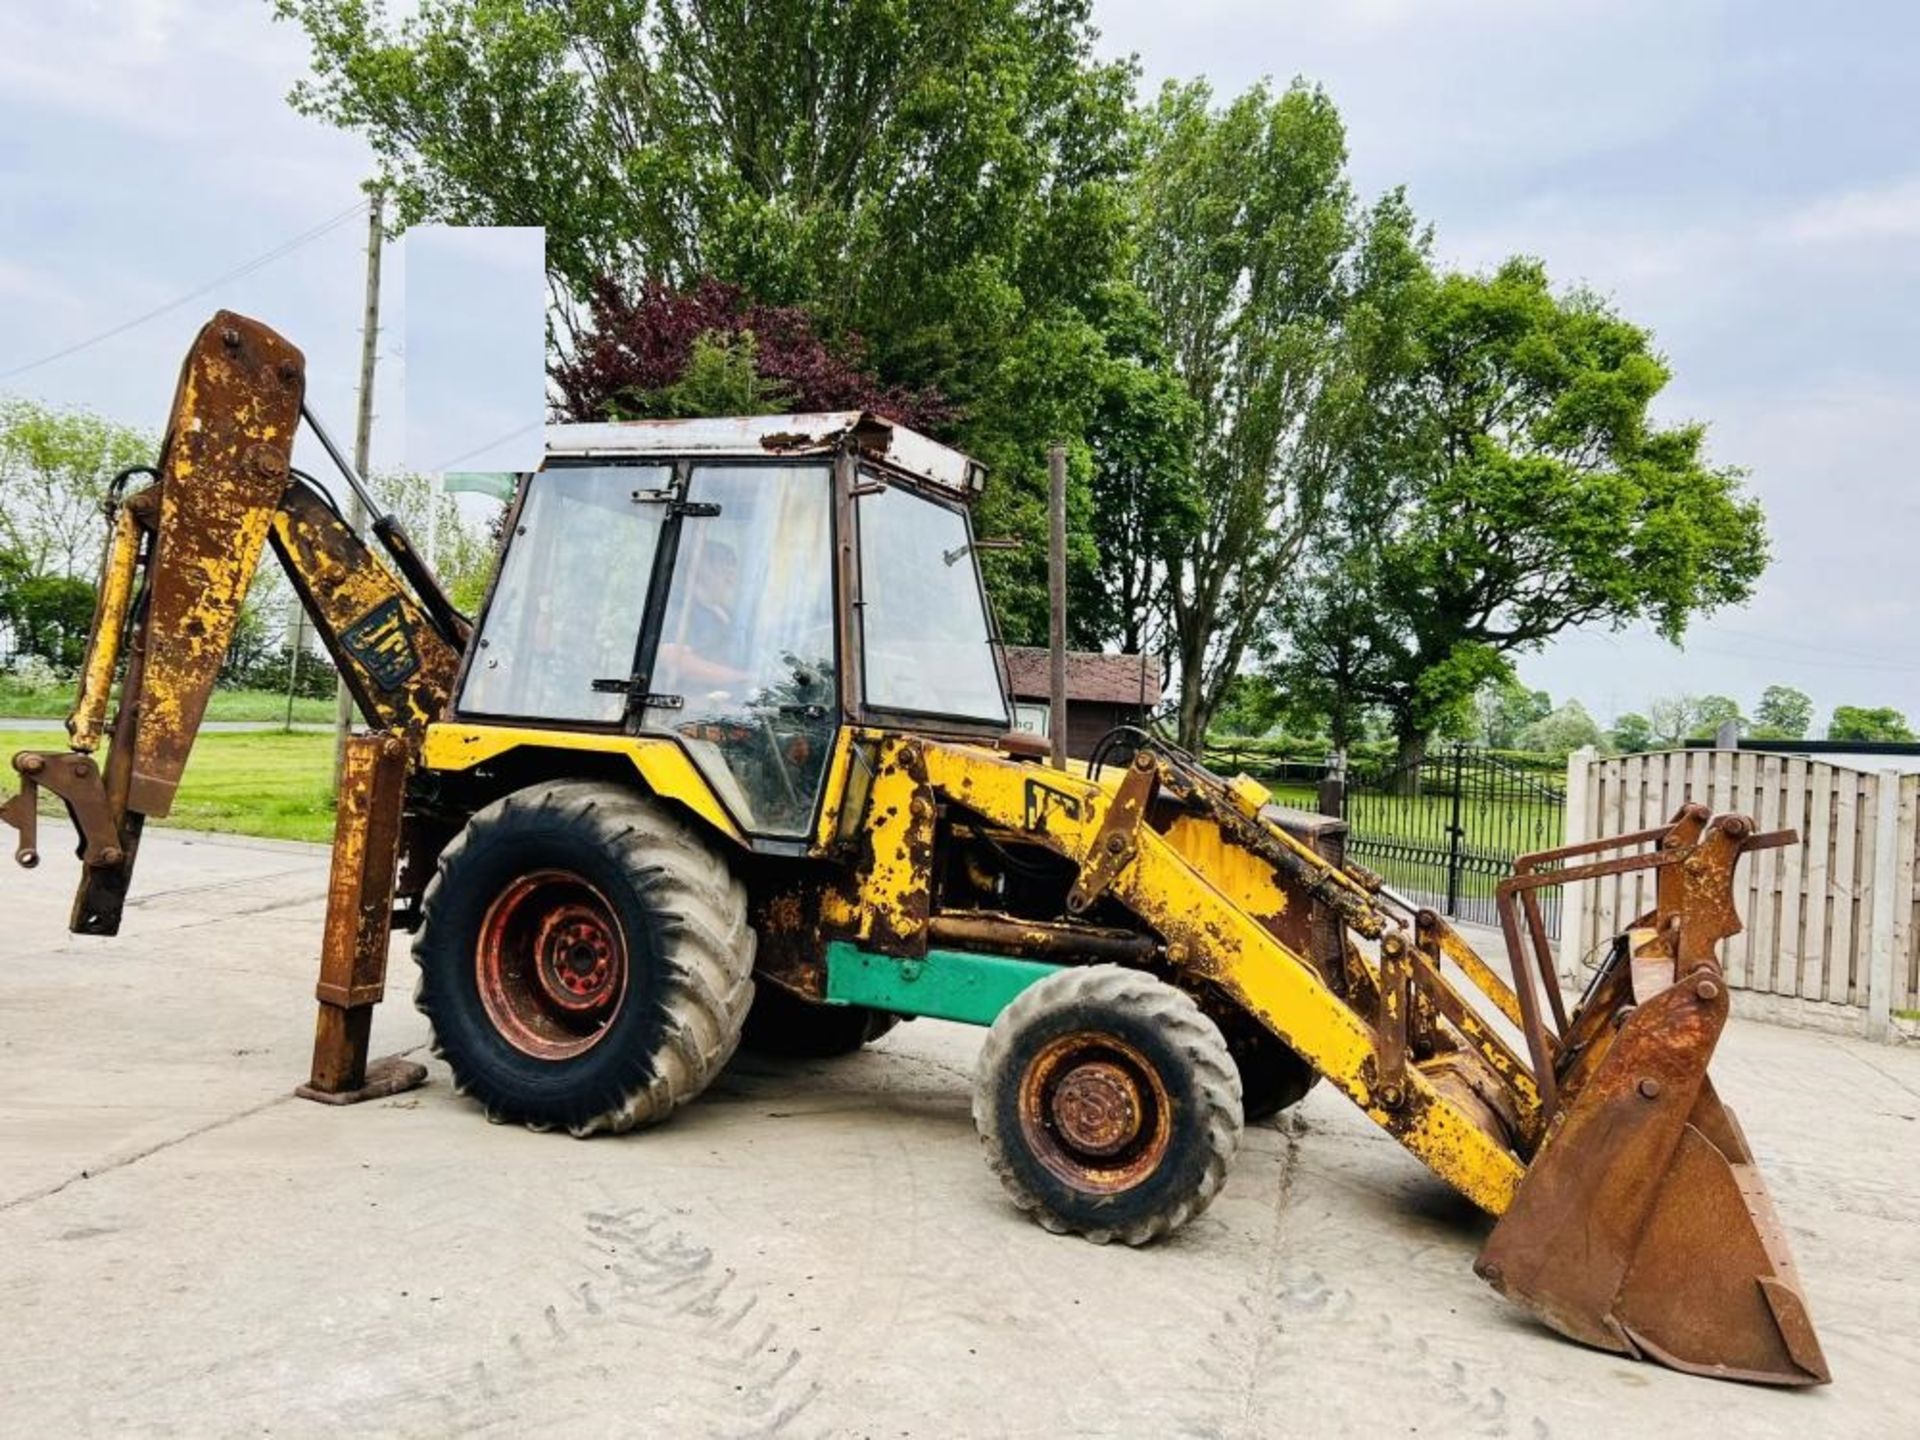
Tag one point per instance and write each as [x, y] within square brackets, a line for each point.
[1880, 213]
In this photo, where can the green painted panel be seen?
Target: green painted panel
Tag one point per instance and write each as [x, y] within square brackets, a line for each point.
[947, 985]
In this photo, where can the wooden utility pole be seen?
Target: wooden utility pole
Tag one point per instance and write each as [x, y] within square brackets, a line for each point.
[1057, 601]
[362, 435]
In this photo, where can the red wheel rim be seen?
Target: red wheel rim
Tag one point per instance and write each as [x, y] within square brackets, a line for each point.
[551, 965]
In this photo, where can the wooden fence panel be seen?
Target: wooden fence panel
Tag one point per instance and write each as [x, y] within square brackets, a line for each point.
[1906, 944]
[1818, 842]
[1843, 889]
[1791, 877]
[1816, 923]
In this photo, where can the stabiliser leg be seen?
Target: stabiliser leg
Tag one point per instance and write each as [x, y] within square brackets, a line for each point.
[353, 950]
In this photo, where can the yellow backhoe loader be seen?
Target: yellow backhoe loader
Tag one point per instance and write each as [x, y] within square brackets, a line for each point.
[728, 751]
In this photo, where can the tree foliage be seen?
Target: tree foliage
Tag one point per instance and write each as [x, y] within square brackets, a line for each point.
[1287, 436]
[1525, 491]
[946, 181]
[55, 466]
[1560, 732]
[1265, 276]
[1710, 712]
[1878, 724]
[47, 616]
[1504, 708]
[708, 350]
[1632, 733]
[1783, 713]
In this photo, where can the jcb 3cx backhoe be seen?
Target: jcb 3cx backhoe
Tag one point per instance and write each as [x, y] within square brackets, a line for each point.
[728, 749]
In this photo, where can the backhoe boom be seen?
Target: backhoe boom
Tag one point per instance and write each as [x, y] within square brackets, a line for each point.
[181, 555]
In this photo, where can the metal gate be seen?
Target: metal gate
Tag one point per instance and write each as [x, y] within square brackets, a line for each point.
[1446, 830]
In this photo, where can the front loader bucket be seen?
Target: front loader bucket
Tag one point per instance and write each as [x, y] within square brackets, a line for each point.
[1642, 1225]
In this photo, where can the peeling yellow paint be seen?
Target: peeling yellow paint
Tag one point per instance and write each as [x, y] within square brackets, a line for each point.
[661, 764]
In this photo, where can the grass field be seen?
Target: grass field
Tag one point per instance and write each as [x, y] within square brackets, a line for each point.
[19, 703]
[264, 783]
[279, 785]
[1404, 840]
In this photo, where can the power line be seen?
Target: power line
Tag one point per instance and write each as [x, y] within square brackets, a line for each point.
[1807, 660]
[482, 449]
[284, 248]
[1819, 647]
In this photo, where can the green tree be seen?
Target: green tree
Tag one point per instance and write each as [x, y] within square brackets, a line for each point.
[1710, 712]
[1672, 718]
[1506, 707]
[1783, 713]
[721, 380]
[1877, 724]
[1252, 706]
[1146, 501]
[1526, 491]
[55, 466]
[48, 616]
[1561, 732]
[1632, 733]
[462, 552]
[946, 181]
[1265, 277]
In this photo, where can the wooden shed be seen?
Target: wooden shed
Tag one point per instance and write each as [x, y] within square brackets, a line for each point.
[1102, 691]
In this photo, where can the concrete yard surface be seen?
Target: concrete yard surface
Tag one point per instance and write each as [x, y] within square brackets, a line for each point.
[810, 1250]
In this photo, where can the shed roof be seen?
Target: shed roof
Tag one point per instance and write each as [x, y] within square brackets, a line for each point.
[1102, 679]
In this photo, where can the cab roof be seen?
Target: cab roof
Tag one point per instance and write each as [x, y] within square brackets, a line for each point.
[875, 437]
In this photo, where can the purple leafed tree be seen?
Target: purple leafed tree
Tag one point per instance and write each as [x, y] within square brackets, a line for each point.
[638, 345]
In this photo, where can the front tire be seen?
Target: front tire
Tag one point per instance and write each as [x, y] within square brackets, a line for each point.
[585, 959]
[1108, 1104]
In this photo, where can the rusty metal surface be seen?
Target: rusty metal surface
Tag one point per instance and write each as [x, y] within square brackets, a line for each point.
[1095, 1112]
[1116, 843]
[223, 467]
[228, 449]
[1680, 1255]
[119, 572]
[76, 779]
[1391, 1019]
[1521, 1106]
[353, 945]
[551, 966]
[395, 662]
[1040, 939]
[180, 558]
[872, 437]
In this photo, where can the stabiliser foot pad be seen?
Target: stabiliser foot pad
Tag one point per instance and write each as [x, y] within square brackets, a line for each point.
[389, 1075]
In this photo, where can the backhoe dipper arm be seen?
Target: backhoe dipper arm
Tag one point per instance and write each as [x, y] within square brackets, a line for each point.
[180, 557]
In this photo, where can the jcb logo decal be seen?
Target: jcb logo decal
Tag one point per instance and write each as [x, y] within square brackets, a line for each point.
[382, 644]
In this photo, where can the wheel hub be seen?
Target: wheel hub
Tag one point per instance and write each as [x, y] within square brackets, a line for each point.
[1095, 1111]
[575, 950]
[1096, 1107]
[551, 964]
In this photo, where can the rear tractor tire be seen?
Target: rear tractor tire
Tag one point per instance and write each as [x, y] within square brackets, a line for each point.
[785, 1025]
[1108, 1104]
[585, 959]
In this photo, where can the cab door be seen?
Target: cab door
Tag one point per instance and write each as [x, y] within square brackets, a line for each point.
[744, 670]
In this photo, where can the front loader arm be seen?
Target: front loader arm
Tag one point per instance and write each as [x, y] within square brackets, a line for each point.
[181, 555]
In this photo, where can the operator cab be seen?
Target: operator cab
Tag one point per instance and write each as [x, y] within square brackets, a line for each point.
[745, 587]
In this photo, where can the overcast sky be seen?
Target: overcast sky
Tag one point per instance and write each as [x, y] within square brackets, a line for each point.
[1743, 179]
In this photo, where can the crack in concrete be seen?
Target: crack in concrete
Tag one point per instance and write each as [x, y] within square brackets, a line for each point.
[1886, 1075]
[1290, 1125]
[48, 1191]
